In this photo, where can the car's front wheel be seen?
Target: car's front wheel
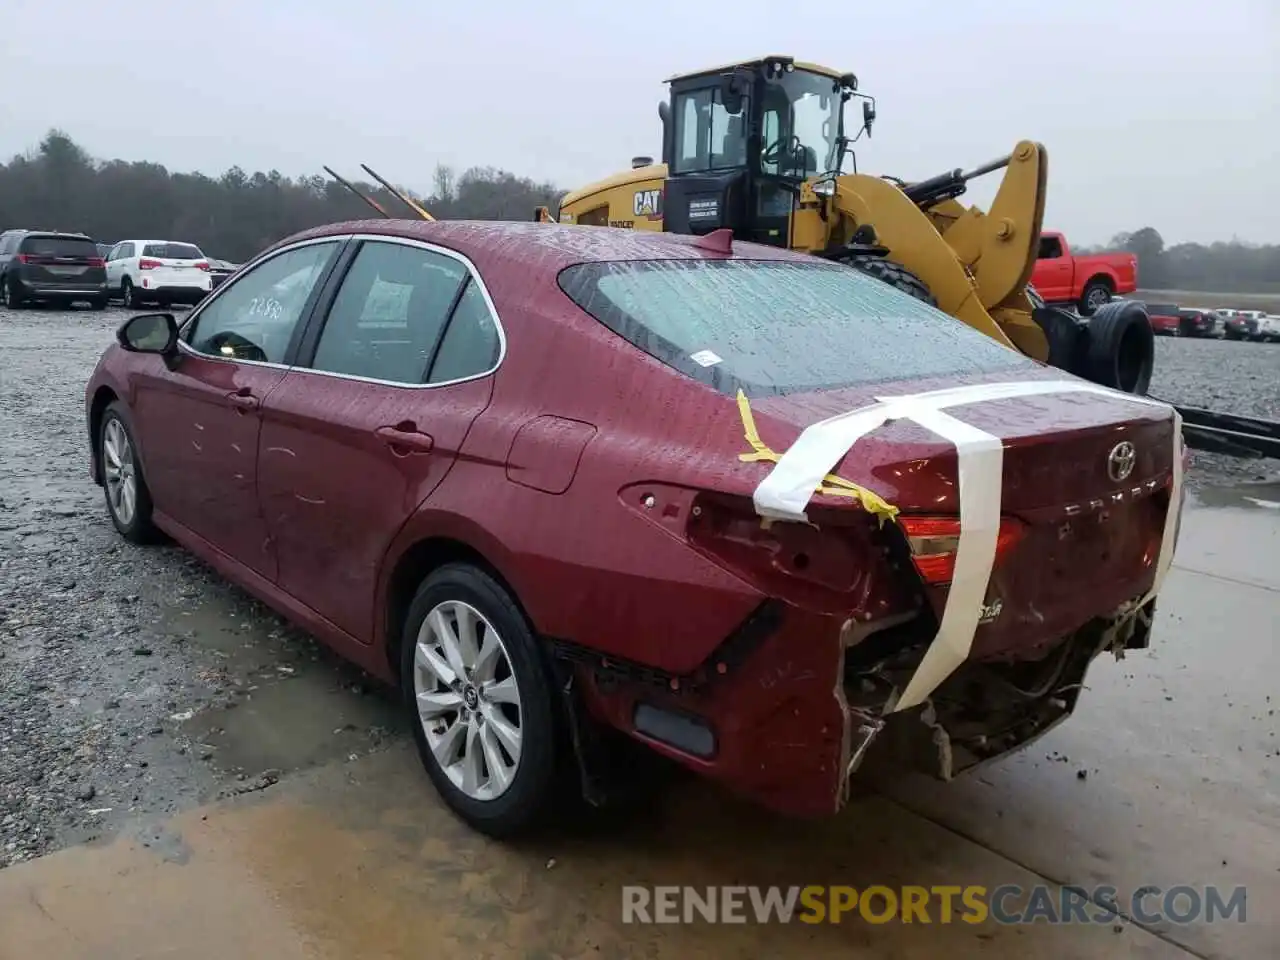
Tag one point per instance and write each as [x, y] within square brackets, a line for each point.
[127, 495]
[481, 702]
[129, 295]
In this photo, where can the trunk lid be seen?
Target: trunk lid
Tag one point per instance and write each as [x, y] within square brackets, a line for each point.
[1090, 532]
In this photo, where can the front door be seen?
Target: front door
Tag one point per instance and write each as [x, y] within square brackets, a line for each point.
[359, 433]
[201, 419]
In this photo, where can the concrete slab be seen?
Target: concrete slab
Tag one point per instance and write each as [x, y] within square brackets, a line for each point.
[1181, 746]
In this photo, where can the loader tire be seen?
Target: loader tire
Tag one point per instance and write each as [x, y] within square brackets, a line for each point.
[1121, 351]
[894, 274]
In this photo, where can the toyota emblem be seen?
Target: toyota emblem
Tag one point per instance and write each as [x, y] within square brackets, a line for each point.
[1120, 461]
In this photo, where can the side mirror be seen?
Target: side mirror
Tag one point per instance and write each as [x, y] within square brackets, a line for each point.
[733, 91]
[868, 115]
[149, 333]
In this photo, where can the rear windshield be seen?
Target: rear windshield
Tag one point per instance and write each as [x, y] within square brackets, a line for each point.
[172, 251]
[59, 247]
[772, 327]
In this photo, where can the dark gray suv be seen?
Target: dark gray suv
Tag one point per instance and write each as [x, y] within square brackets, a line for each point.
[52, 267]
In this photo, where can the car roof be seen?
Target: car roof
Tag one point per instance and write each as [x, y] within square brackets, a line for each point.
[187, 243]
[550, 245]
[50, 233]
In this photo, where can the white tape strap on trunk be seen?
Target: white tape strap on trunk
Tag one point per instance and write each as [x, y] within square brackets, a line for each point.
[785, 493]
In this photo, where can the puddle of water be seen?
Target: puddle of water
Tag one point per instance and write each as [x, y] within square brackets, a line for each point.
[292, 725]
[1258, 495]
[288, 703]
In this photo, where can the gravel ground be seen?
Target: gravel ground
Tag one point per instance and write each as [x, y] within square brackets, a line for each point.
[134, 681]
[1229, 376]
[118, 665]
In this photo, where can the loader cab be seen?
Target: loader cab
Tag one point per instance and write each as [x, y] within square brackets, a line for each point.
[738, 141]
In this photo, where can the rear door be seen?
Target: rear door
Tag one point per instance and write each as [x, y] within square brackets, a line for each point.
[355, 438]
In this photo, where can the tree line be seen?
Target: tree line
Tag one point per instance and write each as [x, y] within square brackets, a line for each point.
[1233, 267]
[59, 185]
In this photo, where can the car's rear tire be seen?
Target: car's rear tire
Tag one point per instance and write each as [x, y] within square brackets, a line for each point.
[100, 303]
[124, 487]
[489, 734]
[1096, 294]
[10, 295]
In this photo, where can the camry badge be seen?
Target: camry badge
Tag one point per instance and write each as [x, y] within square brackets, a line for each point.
[1120, 461]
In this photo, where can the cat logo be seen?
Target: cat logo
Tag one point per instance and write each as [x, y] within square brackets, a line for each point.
[648, 203]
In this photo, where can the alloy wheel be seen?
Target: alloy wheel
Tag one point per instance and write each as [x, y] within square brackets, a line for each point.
[120, 472]
[468, 700]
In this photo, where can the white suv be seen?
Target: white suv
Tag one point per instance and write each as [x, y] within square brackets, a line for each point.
[158, 271]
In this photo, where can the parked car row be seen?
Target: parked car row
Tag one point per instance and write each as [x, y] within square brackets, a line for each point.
[57, 267]
[1172, 320]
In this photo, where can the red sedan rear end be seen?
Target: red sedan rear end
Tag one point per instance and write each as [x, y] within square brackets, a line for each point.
[756, 510]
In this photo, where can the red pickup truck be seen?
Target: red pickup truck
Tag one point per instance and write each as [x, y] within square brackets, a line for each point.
[1086, 282]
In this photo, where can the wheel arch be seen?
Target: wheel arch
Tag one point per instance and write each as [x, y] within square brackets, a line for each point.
[416, 559]
[103, 397]
[1103, 277]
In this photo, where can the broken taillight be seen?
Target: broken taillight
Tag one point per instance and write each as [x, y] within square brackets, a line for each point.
[934, 541]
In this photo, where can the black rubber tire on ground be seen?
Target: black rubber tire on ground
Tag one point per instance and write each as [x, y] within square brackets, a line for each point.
[540, 780]
[139, 529]
[1096, 294]
[129, 294]
[100, 303]
[12, 300]
[1121, 350]
[891, 273]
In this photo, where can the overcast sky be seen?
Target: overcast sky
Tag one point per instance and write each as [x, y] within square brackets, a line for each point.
[1154, 112]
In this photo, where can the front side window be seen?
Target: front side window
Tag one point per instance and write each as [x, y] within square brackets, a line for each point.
[708, 137]
[389, 316]
[254, 319]
[771, 327]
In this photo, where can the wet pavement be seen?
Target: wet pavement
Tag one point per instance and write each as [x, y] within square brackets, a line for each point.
[219, 785]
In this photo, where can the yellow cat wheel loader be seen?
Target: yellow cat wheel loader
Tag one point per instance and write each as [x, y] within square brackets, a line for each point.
[758, 147]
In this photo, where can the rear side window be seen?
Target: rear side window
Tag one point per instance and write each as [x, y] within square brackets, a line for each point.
[779, 326]
[59, 247]
[388, 318]
[471, 344]
[172, 251]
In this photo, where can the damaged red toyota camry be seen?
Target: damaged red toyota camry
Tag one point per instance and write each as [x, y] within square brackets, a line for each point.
[757, 511]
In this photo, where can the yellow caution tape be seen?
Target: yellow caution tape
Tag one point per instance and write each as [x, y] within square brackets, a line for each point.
[831, 485]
